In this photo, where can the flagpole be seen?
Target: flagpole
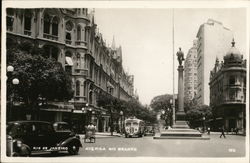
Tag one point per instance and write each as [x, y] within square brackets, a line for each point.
[173, 69]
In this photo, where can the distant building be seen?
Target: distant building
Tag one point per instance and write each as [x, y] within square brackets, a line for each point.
[228, 91]
[190, 73]
[213, 41]
[71, 37]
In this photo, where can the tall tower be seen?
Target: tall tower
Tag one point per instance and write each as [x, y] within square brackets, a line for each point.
[213, 41]
[190, 73]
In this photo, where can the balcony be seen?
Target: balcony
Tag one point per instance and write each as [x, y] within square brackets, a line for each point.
[27, 32]
[68, 42]
[79, 99]
[81, 43]
[51, 37]
[81, 72]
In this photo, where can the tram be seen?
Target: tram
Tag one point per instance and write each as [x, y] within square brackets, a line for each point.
[134, 127]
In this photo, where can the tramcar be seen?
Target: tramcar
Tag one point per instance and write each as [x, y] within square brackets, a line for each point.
[134, 127]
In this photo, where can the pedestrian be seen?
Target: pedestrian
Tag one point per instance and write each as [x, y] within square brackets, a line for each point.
[208, 130]
[222, 132]
[236, 130]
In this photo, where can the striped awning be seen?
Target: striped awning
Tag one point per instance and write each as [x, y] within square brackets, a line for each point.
[69, 61]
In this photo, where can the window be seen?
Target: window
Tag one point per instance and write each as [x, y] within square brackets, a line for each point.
[77, 88]
[46, 25]
[51, 51]
[79, 33]
[10, 19]
[232, 94]
[68, 36]
[27, 20]
[232, 80]
[78, 57]
[85, 34]
[85, 88]
[55, 23]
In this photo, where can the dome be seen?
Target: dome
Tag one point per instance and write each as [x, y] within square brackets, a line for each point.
[233, 53]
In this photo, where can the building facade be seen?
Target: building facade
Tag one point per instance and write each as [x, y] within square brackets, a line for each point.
[228, 91]
[213, 41]
[70, 36]
[190, 73]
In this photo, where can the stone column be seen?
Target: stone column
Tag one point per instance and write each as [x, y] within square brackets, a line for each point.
[180, 112]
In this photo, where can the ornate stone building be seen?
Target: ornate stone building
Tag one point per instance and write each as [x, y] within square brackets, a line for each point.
[228, 91]
[70, 36]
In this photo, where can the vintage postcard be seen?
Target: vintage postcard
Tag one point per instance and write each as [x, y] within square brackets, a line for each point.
[110, 81]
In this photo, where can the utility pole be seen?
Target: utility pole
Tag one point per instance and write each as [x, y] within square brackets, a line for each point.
[173, 69]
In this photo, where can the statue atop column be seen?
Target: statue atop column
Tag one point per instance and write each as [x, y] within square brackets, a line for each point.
[180, 56]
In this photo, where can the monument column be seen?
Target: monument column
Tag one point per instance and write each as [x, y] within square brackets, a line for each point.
[180, 114]
[180, 89]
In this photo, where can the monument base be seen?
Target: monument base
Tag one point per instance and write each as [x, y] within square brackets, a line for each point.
[180, 116]
[181, 130]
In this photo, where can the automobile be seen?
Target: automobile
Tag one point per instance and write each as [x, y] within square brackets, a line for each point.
[61, 127]
[149, 131]
[27, 137]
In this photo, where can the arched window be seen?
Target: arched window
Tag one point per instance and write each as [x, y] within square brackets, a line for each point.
[77, 88]
[68, 54]
[78, 57]
[90, 97]
[85, 34]
[55, 23]
[27, 20]
[51, 51]
[46, 24]
[84, 88]
[232, 80]
[79, 32]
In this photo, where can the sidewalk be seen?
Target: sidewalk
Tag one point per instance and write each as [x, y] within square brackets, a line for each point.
[104, 135]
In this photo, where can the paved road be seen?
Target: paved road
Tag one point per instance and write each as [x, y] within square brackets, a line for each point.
[232, 146]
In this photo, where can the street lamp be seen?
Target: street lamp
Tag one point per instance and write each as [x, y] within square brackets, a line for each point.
[15, 81]
[203, 118]
[90, 117]
[121, 114]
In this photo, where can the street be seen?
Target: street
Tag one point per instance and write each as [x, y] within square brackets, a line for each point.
[232, 146]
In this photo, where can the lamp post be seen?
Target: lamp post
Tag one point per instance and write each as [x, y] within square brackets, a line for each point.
[204, 118]
[84, 111]
[121, 114]
[90, 116]
[15, 81]
[163, 116]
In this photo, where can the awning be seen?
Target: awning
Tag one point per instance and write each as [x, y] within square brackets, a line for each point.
[69, 61]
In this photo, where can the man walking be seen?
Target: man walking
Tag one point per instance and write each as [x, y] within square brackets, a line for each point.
[222, 132]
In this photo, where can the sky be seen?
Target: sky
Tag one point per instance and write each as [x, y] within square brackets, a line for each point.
[146, 37]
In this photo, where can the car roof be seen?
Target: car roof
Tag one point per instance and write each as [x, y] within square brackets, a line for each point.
[61, 122]
[22, 122]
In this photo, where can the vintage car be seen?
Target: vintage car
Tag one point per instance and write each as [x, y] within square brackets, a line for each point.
[61, 127]
[27, 137]
[149, 131]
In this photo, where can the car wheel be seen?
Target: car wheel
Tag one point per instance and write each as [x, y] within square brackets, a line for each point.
[73, 149]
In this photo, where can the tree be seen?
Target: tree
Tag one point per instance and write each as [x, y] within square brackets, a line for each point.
[130, 108]
[162, 103]
[195, 115]
[40, 78]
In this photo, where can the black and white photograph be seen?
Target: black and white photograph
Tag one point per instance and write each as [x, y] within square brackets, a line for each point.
[125, 81]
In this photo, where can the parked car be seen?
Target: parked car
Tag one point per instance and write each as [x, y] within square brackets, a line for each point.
[26, 137]
[149, 131]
